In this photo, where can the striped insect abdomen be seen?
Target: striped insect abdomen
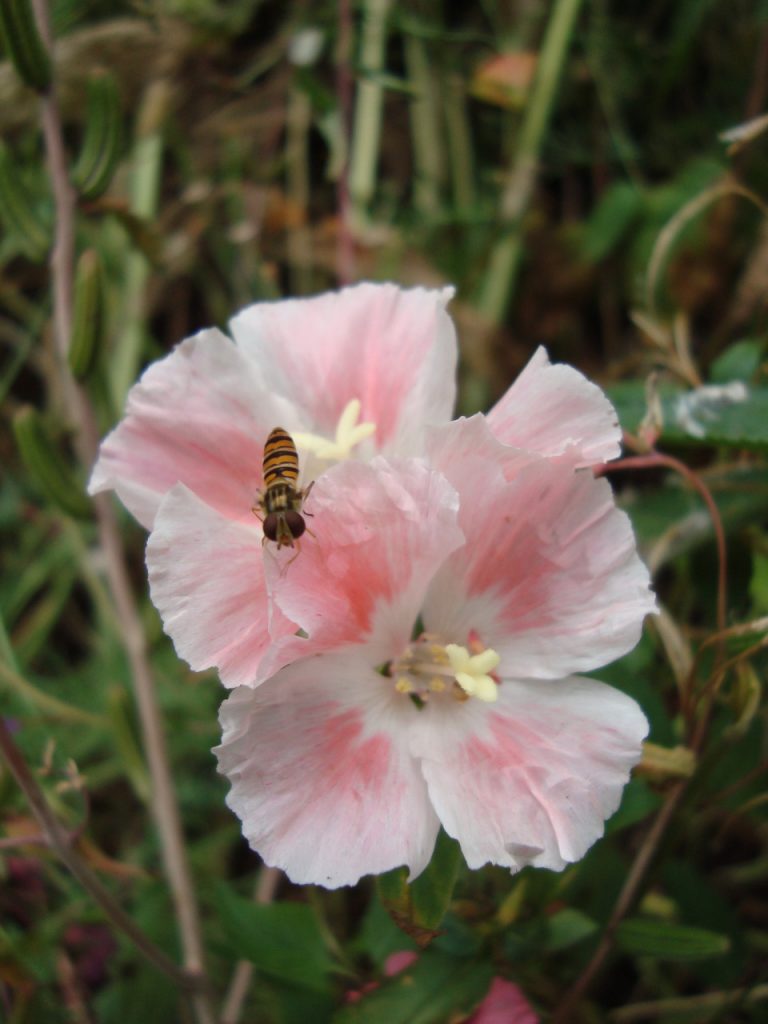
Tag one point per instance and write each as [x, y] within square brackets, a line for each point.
[281, 461]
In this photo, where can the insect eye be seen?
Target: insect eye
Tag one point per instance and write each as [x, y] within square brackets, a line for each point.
[270, 526]
[295, 523]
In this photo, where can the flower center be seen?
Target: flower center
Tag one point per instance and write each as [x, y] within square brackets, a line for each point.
[429, 667]
[349, 433]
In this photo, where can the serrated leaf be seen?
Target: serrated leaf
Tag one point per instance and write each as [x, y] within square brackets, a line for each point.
[700, 417]
[282, 939]
[434, 989]
[667, 941]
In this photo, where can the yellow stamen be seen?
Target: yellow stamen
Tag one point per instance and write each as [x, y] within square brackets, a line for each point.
[471, 671]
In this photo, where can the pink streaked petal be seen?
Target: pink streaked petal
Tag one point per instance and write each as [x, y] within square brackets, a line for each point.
[532, 778]
[198, 417]
[504, 1004]
[549, 577]
[381, 530]
[321, 778]
[553, 410]
[206, 578]
[393, 349]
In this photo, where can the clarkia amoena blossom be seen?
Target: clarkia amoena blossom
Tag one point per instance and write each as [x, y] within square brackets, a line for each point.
[415, 664]
[444, 608]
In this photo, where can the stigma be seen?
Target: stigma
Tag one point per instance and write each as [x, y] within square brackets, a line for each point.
[428, 667]
[349, 434]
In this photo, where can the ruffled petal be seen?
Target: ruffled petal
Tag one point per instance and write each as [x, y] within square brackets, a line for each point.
[206, 578]
[552, 410]
[380, 532]
[321, 778]
[393, 349]
[531, 779]
[549, 577]
[198, 417]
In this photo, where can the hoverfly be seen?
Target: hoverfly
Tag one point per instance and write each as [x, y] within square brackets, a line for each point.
[281, 502]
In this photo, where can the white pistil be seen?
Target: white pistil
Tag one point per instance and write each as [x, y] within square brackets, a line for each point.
[349, 433]
[471, 671]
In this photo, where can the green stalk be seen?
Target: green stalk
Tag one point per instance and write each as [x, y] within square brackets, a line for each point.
[459, 143]
[366, 134]
[501, 279]
[426, 137]
[146, 166]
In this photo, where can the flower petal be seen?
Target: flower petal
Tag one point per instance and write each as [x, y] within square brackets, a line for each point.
[199, 417]
[324, 786]
[391, 348]
[532, 778]
[206, 578]
[504, 1004]
[380, 532]
[549, 577]
[551, 410]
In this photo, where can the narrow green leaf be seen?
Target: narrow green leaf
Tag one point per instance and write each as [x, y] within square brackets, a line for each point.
[434, 989]
[666, 941]
[17, 210]
[282, 939]
[23, 44]
[103, 133]
[46, 466]
[87, 316]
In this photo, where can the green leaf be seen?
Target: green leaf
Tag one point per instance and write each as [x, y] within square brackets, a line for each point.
[738, 362]
[758, 583]
[282, 939]
[51, 473]
[17, 209]
[420, 907]
[432, 891]
[566, 928]
[611, 219]
[103, 132]
[699, 417]
[22, 42]
[87, 316]
[642, 937]
[434, 989]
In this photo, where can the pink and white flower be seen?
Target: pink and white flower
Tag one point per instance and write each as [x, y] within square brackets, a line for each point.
[200, 417]
[352, 374]
[443, 608]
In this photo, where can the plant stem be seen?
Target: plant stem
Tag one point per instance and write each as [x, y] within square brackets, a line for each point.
[501, 278]
[164, 805]
[627, 896]
[57, 839]
[366, 134]
[266, 886]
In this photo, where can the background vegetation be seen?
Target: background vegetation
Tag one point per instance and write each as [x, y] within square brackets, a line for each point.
[565, 165]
